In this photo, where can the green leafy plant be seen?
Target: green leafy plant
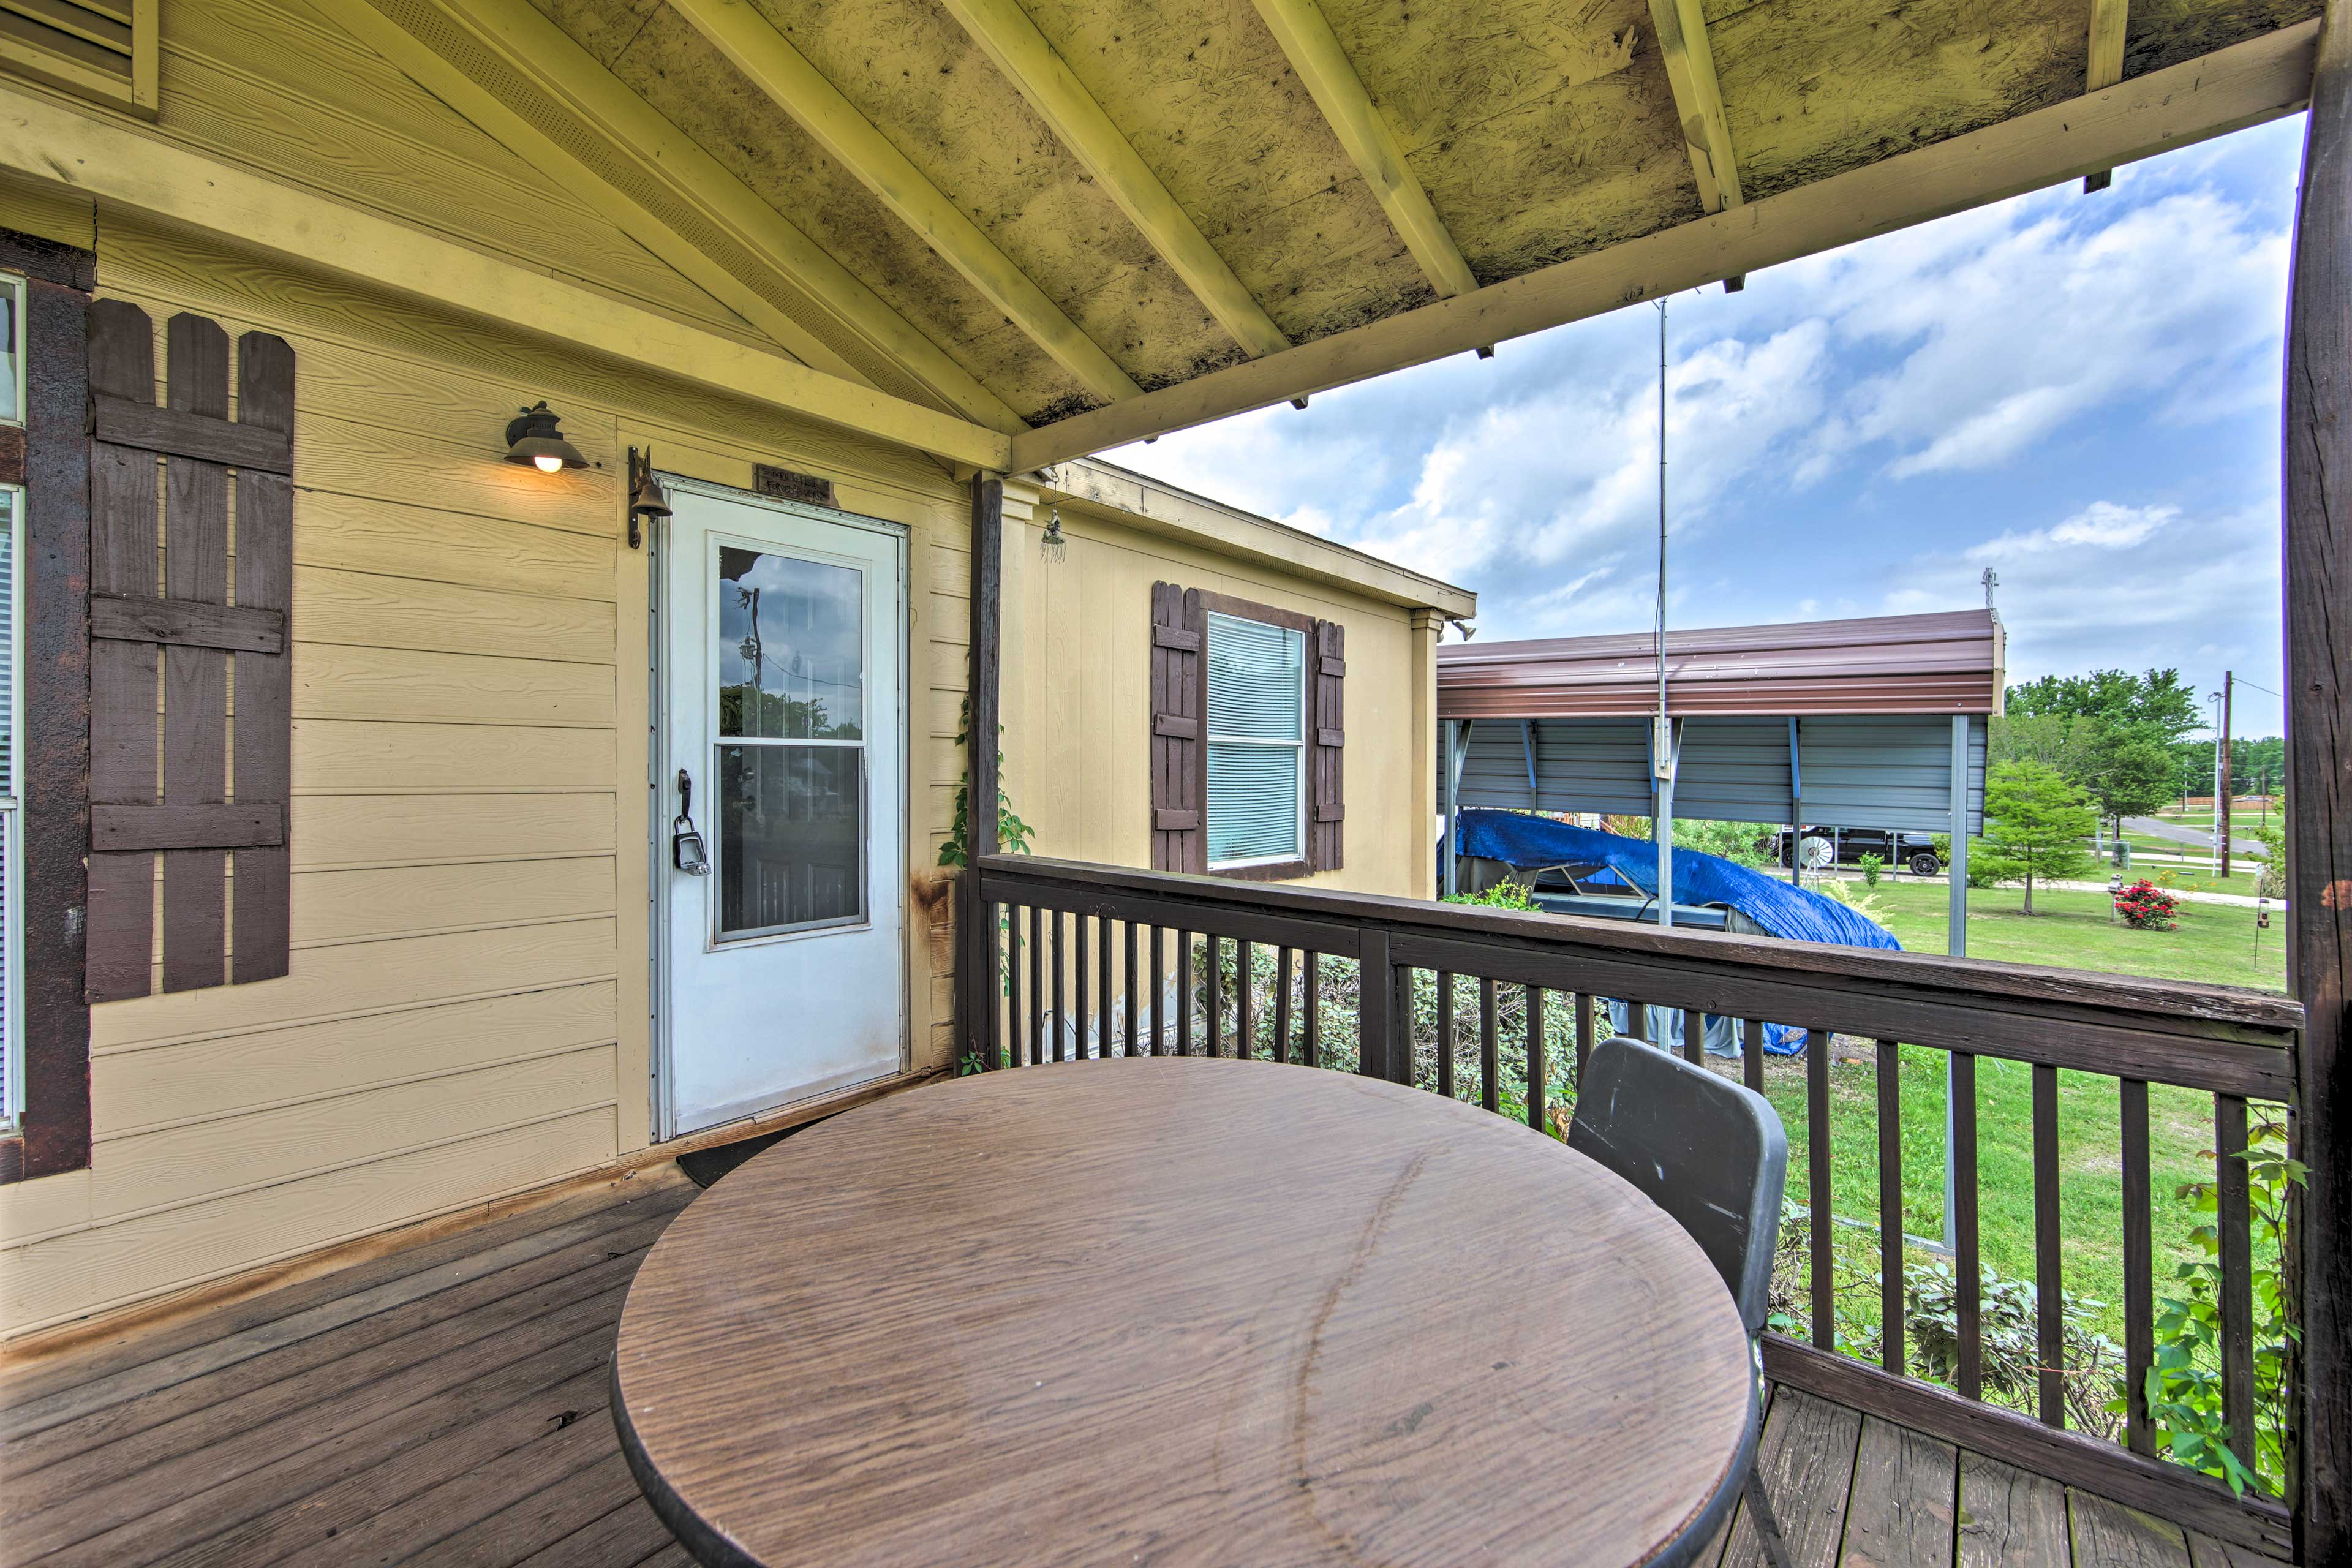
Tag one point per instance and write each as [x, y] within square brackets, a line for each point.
[1872, 865]
[1507, 894]
[2009, 1322]
[2184, 1386]
[969, 1064]
[2269, 881]
[1012, 834]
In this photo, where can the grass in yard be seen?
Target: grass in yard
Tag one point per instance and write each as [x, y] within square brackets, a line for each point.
[2089, 1194]
[2213, 943]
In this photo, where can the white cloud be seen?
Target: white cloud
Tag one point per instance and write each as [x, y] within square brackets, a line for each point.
[2102, 525]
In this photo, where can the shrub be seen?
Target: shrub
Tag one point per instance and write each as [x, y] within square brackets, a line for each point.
[1872, 865]
[1506, 894]
[2184, 1386]
[2270, 881]
[1943, 843]
[2008, 1319]
[2146, 907]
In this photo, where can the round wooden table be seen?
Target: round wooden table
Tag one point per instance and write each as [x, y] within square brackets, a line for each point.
[1178, 1310]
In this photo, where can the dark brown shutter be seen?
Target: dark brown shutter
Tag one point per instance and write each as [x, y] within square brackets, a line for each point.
[191, 631]
[1326, 780]
[1178, 843]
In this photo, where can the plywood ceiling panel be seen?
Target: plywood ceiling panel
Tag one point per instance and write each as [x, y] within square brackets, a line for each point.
[1539, 130]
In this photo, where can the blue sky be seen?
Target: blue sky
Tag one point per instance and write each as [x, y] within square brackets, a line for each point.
[2081, 392]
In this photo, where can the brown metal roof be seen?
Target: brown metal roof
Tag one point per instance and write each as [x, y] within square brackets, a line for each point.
[1949, 662]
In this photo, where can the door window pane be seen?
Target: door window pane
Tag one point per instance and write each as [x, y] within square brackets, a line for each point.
[1257, 726]
[792, 836]
[792, 647]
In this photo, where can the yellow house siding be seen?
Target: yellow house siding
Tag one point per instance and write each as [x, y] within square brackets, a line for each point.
[1078, 696]
[467, 1012]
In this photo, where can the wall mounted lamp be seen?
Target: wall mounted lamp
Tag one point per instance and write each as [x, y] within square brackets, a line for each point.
[533, 438]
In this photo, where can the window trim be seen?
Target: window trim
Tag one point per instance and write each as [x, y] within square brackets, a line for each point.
[1299, 864]
[49, 457]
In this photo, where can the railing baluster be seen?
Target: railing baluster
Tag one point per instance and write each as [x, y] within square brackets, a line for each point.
[1376, 1030]
[2140, 1266]
[1890, 1206]
[1964, 1224]
[1446, 1033]
[1158, 992]
[1310, 1023]
[1129, 1046]
[1637, 1020]
[1060, 1022]
[1536, 1055]
[2233, 1215]
[1490, 1049]
[1282, 1004]
[2049, 1304]
[992, 989]
[1694, 1036]
[1751, 1053]
[1183, 993]
[1244, 1002]
[1583, 1005]
[1013, 1031]
[1817, 1167]
[1036, 986]
[1216, 981]
[1106, 995]
[1081, 1018]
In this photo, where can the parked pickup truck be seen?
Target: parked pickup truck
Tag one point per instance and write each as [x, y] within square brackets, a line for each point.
[1846, 845]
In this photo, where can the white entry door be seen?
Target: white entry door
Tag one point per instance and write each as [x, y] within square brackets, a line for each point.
[784, 735]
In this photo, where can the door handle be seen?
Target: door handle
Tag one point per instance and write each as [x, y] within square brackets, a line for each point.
[685, 851]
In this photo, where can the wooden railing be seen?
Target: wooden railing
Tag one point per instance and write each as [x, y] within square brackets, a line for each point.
[1102, 960]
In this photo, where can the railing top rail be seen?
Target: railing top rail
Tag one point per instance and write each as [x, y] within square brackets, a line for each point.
[2226, 1039]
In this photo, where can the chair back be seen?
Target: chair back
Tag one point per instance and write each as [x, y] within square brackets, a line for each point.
[1705, 1149]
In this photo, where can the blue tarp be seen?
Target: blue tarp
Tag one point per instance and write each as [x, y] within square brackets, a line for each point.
[1532, 843]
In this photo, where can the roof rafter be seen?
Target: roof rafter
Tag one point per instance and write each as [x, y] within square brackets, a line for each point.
[800, 90]
[2244, 84]
[1315, 52]
[779, 280]
[115, 161]
[2106, 65]
[1698, 100]
[1025, 58]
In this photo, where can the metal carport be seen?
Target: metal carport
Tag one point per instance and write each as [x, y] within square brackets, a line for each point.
[1871, 722]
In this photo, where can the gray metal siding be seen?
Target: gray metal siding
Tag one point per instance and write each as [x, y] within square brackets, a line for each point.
[1888, 771]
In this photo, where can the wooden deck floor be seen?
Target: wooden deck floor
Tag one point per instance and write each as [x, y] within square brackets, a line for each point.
[447, 1404]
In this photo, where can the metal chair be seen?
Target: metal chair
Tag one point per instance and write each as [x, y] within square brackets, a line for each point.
[1713, 1155]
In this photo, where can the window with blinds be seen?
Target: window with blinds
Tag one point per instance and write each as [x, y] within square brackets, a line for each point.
[102, 49]
[1257, 743]
[12, 1086]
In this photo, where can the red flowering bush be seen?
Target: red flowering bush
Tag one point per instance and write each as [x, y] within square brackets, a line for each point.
[2146, 907]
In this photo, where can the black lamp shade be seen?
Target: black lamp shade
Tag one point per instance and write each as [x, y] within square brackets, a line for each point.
[534, 437]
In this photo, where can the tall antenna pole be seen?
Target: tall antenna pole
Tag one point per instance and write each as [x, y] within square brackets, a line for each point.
[1662, 823]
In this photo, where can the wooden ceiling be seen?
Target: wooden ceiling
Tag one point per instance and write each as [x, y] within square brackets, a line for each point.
[1083, 221]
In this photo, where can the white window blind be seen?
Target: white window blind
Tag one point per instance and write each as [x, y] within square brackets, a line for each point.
[1257, 738]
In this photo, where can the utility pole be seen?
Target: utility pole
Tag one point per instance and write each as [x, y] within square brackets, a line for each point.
[2228, 690]
[1662, 819]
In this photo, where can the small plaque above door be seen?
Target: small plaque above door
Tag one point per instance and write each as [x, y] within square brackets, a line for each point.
[785, 484]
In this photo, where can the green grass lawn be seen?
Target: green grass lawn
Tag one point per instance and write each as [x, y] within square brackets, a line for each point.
[2090, 1197]
[2213, 943]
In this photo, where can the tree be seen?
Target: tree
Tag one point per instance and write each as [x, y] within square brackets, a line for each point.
[2157, 696]
[2127, 770]
[2035, 821]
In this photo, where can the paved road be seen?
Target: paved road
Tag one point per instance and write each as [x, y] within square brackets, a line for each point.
[2196, 837]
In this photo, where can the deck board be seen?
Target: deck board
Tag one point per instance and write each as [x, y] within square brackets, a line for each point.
[448, 1404]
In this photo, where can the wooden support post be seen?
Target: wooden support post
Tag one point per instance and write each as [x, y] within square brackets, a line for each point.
[979, 944]
[2318, 579]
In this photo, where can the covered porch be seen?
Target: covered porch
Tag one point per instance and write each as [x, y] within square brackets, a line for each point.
[841, 241]
[447, 1403]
